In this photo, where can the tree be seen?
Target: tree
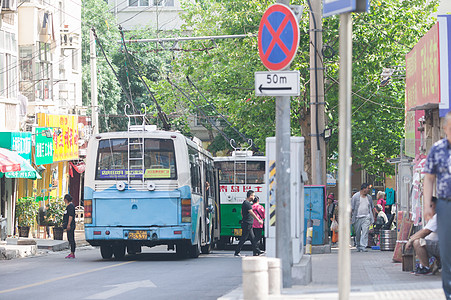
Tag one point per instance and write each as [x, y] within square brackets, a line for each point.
[95, 14]
[225, 74]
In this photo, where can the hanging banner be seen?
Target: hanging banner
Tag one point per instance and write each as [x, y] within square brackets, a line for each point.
[65, 135]
[44, 146]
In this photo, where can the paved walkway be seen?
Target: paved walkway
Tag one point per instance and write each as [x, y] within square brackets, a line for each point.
[373, 276]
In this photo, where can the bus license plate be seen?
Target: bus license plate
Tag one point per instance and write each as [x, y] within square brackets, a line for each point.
[137, 235]
[237, 232]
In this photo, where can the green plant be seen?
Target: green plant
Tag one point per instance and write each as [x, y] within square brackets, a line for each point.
[26, 211]
[55, 212]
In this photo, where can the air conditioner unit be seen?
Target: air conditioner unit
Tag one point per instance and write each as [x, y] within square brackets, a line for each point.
[9, 5]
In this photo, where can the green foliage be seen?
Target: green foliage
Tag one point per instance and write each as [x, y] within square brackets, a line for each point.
[225, 74]
[95, 14]
[381, 39]
[26, 211]
[55, 212]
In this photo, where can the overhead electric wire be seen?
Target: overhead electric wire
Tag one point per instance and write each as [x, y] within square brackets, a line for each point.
[198, 108]
[161, 114]
[254, 147]
[114, 71]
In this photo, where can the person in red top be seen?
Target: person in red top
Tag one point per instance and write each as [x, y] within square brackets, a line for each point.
[259, 210]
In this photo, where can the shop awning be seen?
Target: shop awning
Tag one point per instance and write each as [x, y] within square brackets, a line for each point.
[7, 164]
[25, 171]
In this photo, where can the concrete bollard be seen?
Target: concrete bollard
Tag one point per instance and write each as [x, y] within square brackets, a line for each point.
[274, 276]
[255, 278]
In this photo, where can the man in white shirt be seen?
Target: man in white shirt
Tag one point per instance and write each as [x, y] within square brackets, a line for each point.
[362, 216]
[425, 243]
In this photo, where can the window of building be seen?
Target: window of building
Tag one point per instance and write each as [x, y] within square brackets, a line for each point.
[8, 64]
[36, 72]
[2, 74]
[75, 60]
[146, 3]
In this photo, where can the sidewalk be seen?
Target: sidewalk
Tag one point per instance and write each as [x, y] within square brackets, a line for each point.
[23, 247]
[373, 276]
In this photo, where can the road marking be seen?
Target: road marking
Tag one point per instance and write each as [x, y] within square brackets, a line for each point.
[122, 288]
[63, 277]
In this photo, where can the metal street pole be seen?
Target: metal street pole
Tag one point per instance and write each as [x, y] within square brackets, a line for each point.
[94, 114]
[283, 212]
[318, 145]
[284, 249]
[344, 153]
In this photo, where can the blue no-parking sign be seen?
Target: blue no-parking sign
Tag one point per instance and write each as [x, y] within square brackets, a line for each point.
[278, 37]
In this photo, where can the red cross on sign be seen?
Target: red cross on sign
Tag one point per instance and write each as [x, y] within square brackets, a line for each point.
[278, 37]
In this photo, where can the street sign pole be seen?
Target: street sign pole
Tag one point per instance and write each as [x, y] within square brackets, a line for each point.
[283, 211]
[344, 154]
[278, 41]
[284, 249]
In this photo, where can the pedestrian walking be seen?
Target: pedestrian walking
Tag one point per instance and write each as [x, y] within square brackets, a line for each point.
[330, 211]
[259, 210]
[69, 224]
[438, 171]
[362, 216]
[335, 220]
[246, 225]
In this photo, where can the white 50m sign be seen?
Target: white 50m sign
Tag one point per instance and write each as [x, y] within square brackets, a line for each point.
[283, 83]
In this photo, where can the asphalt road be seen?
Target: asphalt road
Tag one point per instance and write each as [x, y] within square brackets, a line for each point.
[154, 274]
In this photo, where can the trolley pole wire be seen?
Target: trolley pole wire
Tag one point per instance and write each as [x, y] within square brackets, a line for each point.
[198, 108]
[254, 147]
[109, 64]
[163, 117]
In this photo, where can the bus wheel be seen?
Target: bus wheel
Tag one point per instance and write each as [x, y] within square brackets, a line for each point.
[206, 249]
[181, 250]
[106, 251]
[119, 251]
[221, 244]
[196, 249]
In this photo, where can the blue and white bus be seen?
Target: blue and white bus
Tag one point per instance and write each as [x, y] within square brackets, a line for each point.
[146, 187]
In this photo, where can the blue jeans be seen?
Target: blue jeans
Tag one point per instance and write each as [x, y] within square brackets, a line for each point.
[443, 211]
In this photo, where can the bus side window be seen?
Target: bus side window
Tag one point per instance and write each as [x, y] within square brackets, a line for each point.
[195, 171]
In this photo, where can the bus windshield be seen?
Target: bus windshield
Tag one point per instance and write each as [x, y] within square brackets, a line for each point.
[113, 160]
[255, 172]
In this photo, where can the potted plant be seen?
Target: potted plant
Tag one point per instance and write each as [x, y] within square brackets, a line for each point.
[26, 211]
[54, 216]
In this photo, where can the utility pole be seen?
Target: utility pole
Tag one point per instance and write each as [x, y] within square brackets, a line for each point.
[94, 114]
[344, 154]
[317, 103]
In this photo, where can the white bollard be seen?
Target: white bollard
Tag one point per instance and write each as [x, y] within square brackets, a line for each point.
[255, 278]
[274, 276]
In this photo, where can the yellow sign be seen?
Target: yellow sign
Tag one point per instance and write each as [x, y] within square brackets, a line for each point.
[157, 173]
[65, 135]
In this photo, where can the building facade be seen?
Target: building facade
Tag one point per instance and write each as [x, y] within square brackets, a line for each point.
[40, 91]
[161, 15]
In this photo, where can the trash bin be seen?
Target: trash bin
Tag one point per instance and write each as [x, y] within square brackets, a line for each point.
[388, 240]
[2, 228]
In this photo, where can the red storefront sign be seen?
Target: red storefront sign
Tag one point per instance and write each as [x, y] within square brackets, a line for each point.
[423, 72]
